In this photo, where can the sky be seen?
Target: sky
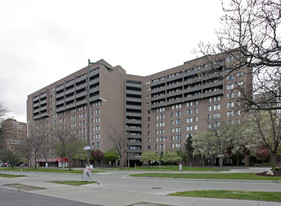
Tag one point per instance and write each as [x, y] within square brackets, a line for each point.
[44, 41]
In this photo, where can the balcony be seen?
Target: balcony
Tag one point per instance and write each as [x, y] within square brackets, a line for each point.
[161, 89]
[133, 114]
[60, 109]
[59, 88]
[213, 84]
[158, 82]
[69, 91]
[69, 98]
[36, 105]
[157, 105]
[137, 107]
[133, 129]
[133, 92]
[155, 98]
[81, 102]
[132, 121]
[43, 108]
[43, 102]
[69, 106]
[70, 83]
[81, 78]
[134, 150]
[35, 111]
[95, 89]
[171, 94]
[59, 102]
[82, 94]
[59, 95]
[43, 95]
[130, 99]
[174, 101]
[214, 93]
[82, 86]
[35, 98]
[174, 85]
[94, 72]
[133, 85]
[94, 81]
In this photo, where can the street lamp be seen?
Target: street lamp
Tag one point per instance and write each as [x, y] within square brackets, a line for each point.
[88, 147]
[180, 165]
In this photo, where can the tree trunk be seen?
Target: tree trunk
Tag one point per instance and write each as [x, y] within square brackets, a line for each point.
[273, 161]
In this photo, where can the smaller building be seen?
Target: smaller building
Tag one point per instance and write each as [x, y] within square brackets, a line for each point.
[13, 134]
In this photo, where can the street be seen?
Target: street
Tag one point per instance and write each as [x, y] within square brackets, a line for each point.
[117, 188]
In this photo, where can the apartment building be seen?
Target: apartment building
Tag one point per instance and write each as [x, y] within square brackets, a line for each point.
[13, 134]
[153, 113]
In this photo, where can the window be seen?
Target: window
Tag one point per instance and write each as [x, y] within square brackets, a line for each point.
[196, 110]
[230, 114]
[195, 119]
[217, 116]
[189, 128]
[195, 127]
[238, 112]
[218, 98]
[188, 104]
[240, 83]
[210, 100]
[209, 108]
[209, 116]
[230, 77]
[217, 107]
[189, 120]
[230, 86]
[189, 111]
[230, 95]
[238, 94]
[230, 104]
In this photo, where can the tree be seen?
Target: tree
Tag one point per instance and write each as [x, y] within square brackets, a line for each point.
[189, 147]
[34, 141]
[119, 144]
[66, 144]
[253, 28]
[111, 156]
[9, 156]
[98, 156]
[217, 140]
[265, 127]
[171, 157]
[149, 157]
[3, 112]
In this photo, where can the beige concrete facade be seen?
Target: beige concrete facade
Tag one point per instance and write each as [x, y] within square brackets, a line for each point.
[147, 110]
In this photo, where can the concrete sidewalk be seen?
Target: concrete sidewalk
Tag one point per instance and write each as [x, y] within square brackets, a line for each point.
[117, 188]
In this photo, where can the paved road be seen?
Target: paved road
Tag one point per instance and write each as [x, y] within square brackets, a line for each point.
[16, 198]
[117, 188]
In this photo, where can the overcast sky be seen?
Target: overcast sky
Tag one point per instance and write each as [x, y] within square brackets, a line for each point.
[42, 41]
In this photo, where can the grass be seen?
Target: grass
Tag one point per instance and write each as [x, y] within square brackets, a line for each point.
[74, 183]
[55, 170]
[11, 176]
[172, 168]
[231, 176]
[232, 194]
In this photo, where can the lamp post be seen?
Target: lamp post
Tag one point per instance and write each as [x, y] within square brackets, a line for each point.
[88, 148]
[180, 165]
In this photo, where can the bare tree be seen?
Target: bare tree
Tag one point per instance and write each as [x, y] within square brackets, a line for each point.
[34, 141]
[66, 144]
[253, 28]
[3, 112]
[119, 144]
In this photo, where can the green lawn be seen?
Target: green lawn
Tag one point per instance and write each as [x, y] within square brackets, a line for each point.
[172, 168]
[232, 194]
[232, 176]
[55, 170]
[74, 183]
[11, 176]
